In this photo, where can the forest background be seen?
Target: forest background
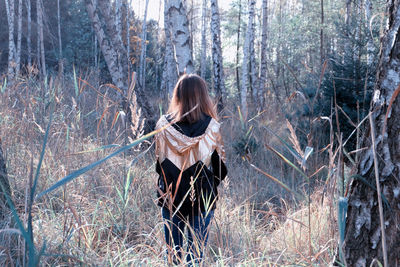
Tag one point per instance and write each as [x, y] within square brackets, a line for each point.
[84, 81]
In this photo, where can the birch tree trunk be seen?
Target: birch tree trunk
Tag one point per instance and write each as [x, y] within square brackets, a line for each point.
[10, 9]
[180, 35]
[253, 66]
[363, 240]
[118, 17]
[118, 74]
[19, 35]
[263, 51]
[29, 38]
[142, 70]
[115, 55]
[218, 70]
[60, 57]
[370, 40]
[203, 58]
[246, 57]
[238, 48]
[39, 11]
[321, 35]
[170, 74]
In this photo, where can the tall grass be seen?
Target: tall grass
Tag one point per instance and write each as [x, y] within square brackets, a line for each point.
[90, 205]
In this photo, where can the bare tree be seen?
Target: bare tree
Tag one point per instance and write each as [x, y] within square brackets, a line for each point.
[246, 57]
[142, 69]
[170, 74]
[60, 57]
[370, 40]
[39, 14]
[218, 70]
[178, 21]
[10, 9]
[238, 47]
[262, 77]
[29, 38]
[19, 35]
[112, 49]
[203, 57]
[367, 218]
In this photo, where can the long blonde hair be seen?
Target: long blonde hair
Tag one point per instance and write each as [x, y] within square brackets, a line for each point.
[190, 100]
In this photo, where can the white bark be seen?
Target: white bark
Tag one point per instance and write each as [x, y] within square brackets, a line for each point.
[19, 34]
[203, 58]
[180, 35]
[39, 9]
[142, 70]
[128, 31]
[218, 70]
[246, 57]
[60, 59]
[370, 42]
[170, 74]
[111, 57]
[263, 51]
[253, 68]
[29, 38]
[118, 21]
[11, 44]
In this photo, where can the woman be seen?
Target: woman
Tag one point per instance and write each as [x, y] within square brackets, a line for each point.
[190, 162]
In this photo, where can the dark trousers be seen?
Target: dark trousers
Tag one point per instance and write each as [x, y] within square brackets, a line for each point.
[197, 235]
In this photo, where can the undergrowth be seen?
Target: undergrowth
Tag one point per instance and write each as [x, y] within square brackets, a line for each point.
[108, 217]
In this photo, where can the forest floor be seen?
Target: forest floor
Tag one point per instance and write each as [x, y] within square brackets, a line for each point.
[108, 216]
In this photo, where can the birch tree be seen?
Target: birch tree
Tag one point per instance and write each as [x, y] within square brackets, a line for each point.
[203, 57]
[142, 70]
[263, 50]
[39, 14]
[170, 74]
[178, 21]
[370, 216]
[218, 70]
[238, 47]
[29, 38]
[113, 50]
[370, 40]
[19, 35]
[10, 9]
[246, 58]
[60, 59]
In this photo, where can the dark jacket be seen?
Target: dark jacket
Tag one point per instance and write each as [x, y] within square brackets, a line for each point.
[190, 162]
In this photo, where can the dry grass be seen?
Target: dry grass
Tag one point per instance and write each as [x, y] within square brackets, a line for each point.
[86, 222]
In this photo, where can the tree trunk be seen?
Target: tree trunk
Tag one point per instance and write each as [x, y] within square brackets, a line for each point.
[181, 37]
[119, 75]
[29, 38]
[263, 51]
[363, 240]
[142, 70]
[170, 74]
[115, 56]
[19, 35]
[118, 18]
[237, 49]
[10, 9]
[39, 14]
[253, 65]
[218, 70]
[246, 57]
[370, 40]
[321, 35]
[203, 58]
[60, 58]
